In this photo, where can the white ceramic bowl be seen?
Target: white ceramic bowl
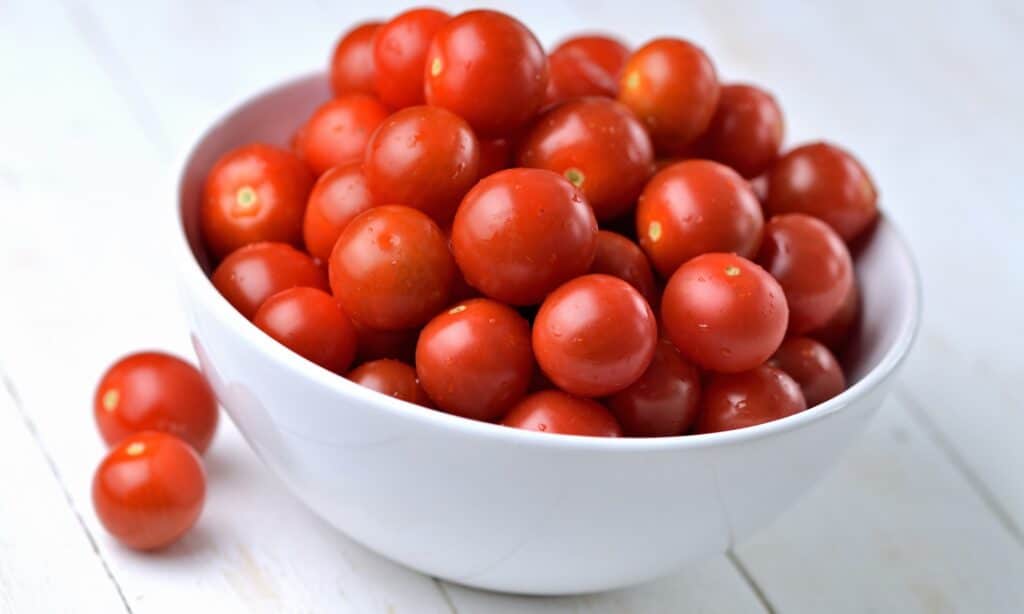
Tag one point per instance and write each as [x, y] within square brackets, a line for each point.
[502, 508]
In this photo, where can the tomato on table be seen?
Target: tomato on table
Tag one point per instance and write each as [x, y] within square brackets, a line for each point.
[351, 68]
[338, 131]
[392, 378]
[154, 391]
[254, 273]
[554, 411]
[490, 69]
[310, 322]
[475, 360]
[745, 132]
[587, 65]
[619, 257]
[599, 146]
[399, 53]
[812, 366]
[695, 207]
[738, 400]
[149, 490]
[664, 401]
[338, 196]
[253, 193]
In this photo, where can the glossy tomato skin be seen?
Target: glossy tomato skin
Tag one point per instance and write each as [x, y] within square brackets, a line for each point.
[474, 360]
[813, 266]
[488, 68]
[254, 193]
[153, 391]
[554, 411]
[149, 490]
[837, 332]
[254, 273]
[352, 61]
[619, 257]
[671, 85]
[338, 196]
[695, 207]
[392, 378]
[312, 324]
[724, 312]
[664, 401]
[521, 233]
[338, 131]
[587, 65]
[426, 158]
[825, 181]
[812, 366]
[594, 336]
[738, 400]
[599, 146]
[391, 268]
[745, 132]
[399, 52]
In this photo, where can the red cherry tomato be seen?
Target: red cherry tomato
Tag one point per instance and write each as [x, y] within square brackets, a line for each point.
[813, 266]
[672, 87]
[695, 207]
[513, 221]
[619, 257]
[586, 66]
[392, 378]
[746, 130]
[338, 131]
[254, 193]
[495, 155]
[474, 360]
[594, 336]
[599, 146]
[724, 312]
[553, 411]
[153, 391]
[489, 68]
[836, 333]
[310, 323]
[254, 273]
[376, 344]
[391, 268]
[337, 198]
[738, 400]
[399, 53]
[664, 401]
[425, 158]
[825, 181]
[812, 366]
[149, 490]
[352, 61]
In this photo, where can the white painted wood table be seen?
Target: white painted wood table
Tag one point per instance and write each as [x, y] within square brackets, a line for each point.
[924, 514]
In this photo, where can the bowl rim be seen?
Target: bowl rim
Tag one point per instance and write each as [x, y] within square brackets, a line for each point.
[191, 274]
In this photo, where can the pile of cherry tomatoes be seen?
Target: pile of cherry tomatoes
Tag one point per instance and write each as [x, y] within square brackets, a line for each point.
[593, 241]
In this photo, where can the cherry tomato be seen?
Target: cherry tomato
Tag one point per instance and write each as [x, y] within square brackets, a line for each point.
[375, 344]
[393, 378]
[738, 400]
[599, 146]
[586, 66]
[513, 221]
[490, 69]
[619, 257]
[812, 366]
[399, 53]
[745, 131]
[836, 333]
[825, 181]
[352, 60]
[425, 158]
[664, 401]
[724, 312]
[337, 198]
[338, 131]
[149, 490]
[672, 87]
[153, 391]
[553, 411]
[254, 273]
[474, 360]
[310, 323]
[594, 336]
[813, 266]
[254, 193]
[695, 207]
[391, 268]
[495, 155]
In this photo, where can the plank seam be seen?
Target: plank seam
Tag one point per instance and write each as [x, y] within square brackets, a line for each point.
[759, 593]
[444, 593]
